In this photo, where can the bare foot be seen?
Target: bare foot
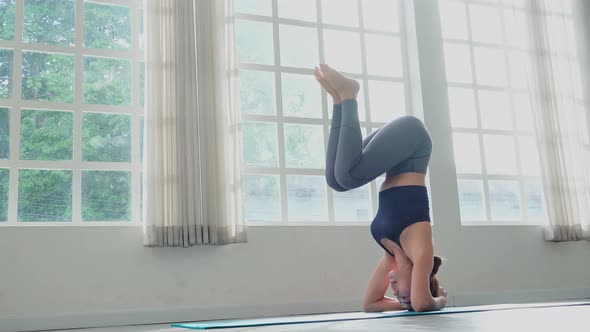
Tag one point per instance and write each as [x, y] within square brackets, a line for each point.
[347, 88]
[319, 76]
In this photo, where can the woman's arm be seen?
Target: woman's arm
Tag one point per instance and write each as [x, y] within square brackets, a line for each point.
[375, 299]
[421, 298]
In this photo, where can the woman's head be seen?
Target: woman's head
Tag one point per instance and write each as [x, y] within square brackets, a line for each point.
[400, 280]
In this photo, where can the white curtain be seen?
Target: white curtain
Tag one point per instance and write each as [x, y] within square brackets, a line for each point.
[192, 175]
[559, 80]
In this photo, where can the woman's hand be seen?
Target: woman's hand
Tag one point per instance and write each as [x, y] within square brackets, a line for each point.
[441, 299]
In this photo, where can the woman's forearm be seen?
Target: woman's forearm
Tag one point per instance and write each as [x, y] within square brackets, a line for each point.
[385, 304]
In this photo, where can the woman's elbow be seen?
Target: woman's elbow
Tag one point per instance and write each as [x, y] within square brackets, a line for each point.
[370, 307]
[423, 305]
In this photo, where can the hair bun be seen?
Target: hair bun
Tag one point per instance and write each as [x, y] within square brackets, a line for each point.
[437, 264]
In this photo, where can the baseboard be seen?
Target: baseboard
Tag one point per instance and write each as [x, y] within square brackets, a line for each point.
[37, 322]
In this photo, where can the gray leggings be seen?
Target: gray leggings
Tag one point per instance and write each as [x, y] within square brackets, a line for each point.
[402, 145]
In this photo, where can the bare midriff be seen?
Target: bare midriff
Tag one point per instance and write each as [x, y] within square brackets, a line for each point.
[404, 179]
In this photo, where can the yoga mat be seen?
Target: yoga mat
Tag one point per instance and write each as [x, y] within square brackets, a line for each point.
[220, 324]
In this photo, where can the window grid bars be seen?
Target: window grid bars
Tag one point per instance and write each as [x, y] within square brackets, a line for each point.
[16, 104]
[280, 119]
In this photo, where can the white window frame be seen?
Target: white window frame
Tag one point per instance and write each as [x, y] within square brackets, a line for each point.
[282, 171]
[15, 104]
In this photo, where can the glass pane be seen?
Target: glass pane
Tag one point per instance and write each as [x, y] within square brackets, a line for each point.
[453, 17]
[490, 66]
[6, 57]
[107, 26]
[107, 81]
[383, 55]
[515, 22]
[299, 46]
[254, 42]
[141, 36]
[529, 156]
[48, 77]
[141, 137]
[257, 92]
[353, 205]
[458, 63]
[471, 200]
[298, 9]
[486, 24]
[343, 50]
[378, 182]
[301, 96]
[46, 135]
[499, 154]
[4, 180]
[467, 153]
[505, 200]
[44, 195]
[106, 137]
[523, 112]
[340, 12]
[7, 19]
[360, 100]
[142, 83]
[304, 146]
[260, 146]
[50, 22]
[518, 62]
[255, 7]
[462, 108]
[535, 199]
[494, 108]
[387, 100]
[262, 198]
[381, 15]
[306, 196]
[106, 196]
[4, 133]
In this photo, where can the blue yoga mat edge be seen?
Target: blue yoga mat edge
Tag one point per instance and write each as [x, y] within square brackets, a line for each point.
[220, 324]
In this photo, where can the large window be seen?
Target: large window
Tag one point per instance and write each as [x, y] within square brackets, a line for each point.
[488, 48]
[71, 96]
[286, 117]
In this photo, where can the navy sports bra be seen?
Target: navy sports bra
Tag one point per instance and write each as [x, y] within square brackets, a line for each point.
[399, 207]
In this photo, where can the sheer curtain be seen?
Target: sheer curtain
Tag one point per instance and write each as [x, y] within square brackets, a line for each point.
[559, 80]
[192, 175]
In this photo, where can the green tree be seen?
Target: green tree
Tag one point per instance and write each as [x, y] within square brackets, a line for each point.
[4, 133]
[44, 195]
[46, 135]
[50, 22]
[7, 19]
[5, 73]
[4, 175]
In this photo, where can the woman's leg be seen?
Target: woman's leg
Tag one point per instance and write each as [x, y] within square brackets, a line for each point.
[357, 164]
[333, 147]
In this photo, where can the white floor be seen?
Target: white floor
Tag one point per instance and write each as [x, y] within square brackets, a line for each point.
[560, 319]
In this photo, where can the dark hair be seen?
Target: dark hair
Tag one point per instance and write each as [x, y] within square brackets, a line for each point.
[434, 284]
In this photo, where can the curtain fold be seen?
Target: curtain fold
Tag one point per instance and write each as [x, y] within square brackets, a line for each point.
[559, 35]
[192, 151]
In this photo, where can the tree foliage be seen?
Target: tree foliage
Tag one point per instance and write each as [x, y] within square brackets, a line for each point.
[48, 135]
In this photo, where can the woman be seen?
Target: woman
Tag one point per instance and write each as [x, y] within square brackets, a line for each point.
[402, 227]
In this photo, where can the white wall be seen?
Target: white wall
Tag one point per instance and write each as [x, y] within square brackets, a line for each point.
[101, 275]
